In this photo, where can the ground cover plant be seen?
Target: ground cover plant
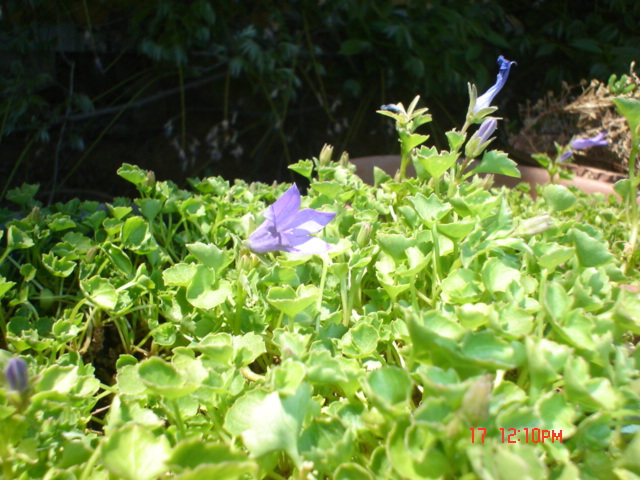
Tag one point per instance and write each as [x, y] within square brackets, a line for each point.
[416, 328]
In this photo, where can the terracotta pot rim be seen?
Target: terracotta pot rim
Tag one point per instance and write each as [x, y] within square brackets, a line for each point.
[533, 175]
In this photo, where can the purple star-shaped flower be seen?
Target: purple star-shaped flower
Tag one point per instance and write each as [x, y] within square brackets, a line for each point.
[598, 140]
[484, 101]
[286, 228]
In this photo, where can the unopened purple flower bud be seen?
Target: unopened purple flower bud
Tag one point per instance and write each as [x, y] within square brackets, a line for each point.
[486, 129]
[583, 143]
[17, 375]
[481, 138]
[565, 156]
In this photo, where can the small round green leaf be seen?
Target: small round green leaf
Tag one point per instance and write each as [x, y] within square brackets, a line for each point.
[134, 453]
[360, 341]
[179, 274]
[558, 197]
[100, 292]
[591, 252]
[390, 385]
[163, 379]
[201, 292]
[291, 301]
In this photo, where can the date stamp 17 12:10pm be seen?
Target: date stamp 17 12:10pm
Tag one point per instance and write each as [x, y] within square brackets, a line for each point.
[519, 435]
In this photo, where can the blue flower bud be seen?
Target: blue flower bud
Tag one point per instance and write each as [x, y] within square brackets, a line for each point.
[391, 108]
[565, 156]
[583, 143]
[481, 138]
[17, 375]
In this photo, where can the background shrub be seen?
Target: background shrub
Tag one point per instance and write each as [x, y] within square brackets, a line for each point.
[202, 87]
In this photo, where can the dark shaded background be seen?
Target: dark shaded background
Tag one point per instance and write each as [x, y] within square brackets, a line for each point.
[242, 89]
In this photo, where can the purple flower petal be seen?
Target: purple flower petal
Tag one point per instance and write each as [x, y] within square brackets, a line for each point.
[308, 245]
[267, 238]
[598, 141]
[287, 205]
[484, 101]
[287, 229]
[307, 221]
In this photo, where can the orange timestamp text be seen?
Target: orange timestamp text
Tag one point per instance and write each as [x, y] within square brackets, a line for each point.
[515, 435]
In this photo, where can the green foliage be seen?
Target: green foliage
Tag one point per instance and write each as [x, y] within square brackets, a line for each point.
[630, 109]
[480, 312]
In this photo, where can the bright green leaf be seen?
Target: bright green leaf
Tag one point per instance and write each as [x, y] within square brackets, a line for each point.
[558, 197]
[630, 109]
[497, 162]
[179, 274]
[100, 292]
[201, 292]
[291, 301]
[210, 255]
[591, 252]
[134, 453]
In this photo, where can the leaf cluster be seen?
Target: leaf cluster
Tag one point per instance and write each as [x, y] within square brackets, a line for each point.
[431, 315]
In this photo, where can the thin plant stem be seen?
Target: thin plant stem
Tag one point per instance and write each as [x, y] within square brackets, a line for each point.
[93, 459]
[56, 158]
[279, 321]
[178, 418]
[633, 205]
[405, 157]
[540, 316]
[241, 296]
[323, 278]
[344, 294]
[183, 110]
[316, 69]
[16, 166]
[280, 119]
[414, 298]
[105, 130]
[227, 85]
[435, 265]
[4, 118]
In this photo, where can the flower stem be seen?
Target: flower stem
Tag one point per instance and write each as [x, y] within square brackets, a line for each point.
[405, 156]
[279, 321]
[88, 468]
[436, 270]
[414, 298]
[633, 205]
[178, 419]
[345, 302]
[323, 278]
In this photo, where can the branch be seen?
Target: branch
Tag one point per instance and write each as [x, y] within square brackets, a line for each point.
[143, 101]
